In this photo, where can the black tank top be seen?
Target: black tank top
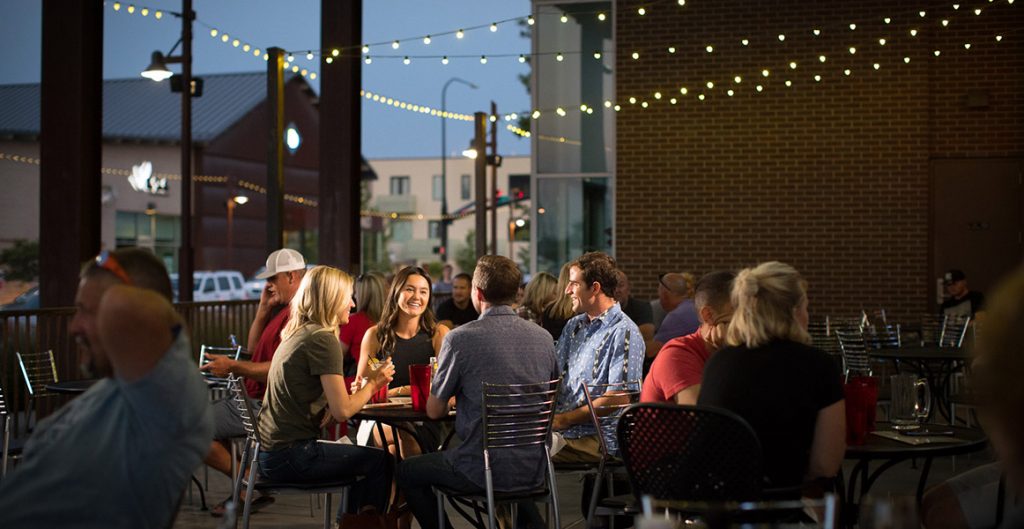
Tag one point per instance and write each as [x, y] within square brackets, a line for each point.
[415, 350]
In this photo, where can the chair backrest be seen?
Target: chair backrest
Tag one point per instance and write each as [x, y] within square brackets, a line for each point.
[518, 415]
[605, 413]
[235, 351]
[695, 453]
[855, 355]
[236, 389]
[38, 370]
[5, 432]
[954, 328]
[931, 329]
[823, 336]
[882, 335]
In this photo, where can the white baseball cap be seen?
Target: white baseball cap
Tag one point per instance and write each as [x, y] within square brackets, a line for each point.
[283, 260]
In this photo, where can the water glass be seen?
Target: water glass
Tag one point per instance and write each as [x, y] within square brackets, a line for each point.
[911, 401]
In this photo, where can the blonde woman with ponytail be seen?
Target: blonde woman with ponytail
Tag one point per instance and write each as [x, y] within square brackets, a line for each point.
[788, 391]
[306, 382]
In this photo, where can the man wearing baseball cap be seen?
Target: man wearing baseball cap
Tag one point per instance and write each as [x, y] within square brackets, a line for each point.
[285, 269]
[961, 301]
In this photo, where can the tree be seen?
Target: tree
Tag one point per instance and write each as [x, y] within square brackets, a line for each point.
[465, 256]
[21, 261]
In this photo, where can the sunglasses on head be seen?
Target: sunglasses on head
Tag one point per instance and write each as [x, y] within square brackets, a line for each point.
[108, 262]
[661, 280]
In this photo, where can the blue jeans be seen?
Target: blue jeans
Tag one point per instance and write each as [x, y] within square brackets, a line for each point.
[314, 461]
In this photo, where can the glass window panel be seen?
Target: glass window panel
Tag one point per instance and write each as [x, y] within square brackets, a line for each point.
[223, 284]
[581, 140]
[237, 283]
[124, 225]
[433, 229]
[465, 187]
[399, 185]
[436, 188]
[166, 228]
[401, 230]
[576, 219]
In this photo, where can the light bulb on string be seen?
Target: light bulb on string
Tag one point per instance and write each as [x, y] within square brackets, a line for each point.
[792, 65]
[709, 48]
[886, 20]
[922, 13]
[657, 95]
[597, 55]
[967, 46]
[759, 88]
[144, 12]
[131, 8]
[309, 56]
[671, 49]
[395, 45]
[644, 104]
[291, 58]
[522, 58]
[368, 60]
[822, 58]
[853, 27]
[246, 48]
[956, 7]
[335, 52]
[937, 53]
[117, 6]
[406, 60]
[781, 37]
[999, 38]
[426, 39]
[945, 23]
[881, 42]
[559, 57]
[765, 73]
[672, 100]
[846, 72]
[366, 48]
[530, 20]
[817, 78]
[906, 60]
[710, 85]
[816, 32]
[913, 33]
[635, 56]
[737, 79]
[683, 91]
[494, 27]
[601, 17]
[329, 60]
[701, 97]
[444, 60]
[745, 42]
[876, 66]
[459, 34]
[256, 52]
[789, 83]
[224, 37]
[564, 18]
[977, 11]
[853, 50]
[641, 11]
[483, 59]
[158, 15]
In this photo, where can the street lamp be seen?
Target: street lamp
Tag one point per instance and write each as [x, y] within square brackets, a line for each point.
[158, 71]
[444, 164]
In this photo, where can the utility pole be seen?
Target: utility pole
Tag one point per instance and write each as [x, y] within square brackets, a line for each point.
[492, 160]
[480, 144]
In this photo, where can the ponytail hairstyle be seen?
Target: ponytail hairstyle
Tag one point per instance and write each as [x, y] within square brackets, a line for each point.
[765, 299]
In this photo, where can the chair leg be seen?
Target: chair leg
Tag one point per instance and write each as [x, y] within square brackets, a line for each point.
[327, 510]
[515, 514]
[592, 506]
[248, 495]
[344, 499]
[553, 490]
[440, 509]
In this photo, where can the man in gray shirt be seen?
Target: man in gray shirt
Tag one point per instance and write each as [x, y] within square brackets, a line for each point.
[498, 348]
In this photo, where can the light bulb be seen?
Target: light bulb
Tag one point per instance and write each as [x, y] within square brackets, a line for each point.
[368, 60]
[881, 42]
[657, 95]
[789, 83]
[564, 18]
[671, 49]
[601, 17]
[887, 20]
[744, 42]
[710, 85]
[792, 66]
[131, 8]
[406, 60]
[561, 58]
[967, 46]
[913, 33]
[759, 88]
[644, 104]
[999, 38]
[617, 108]
[853, 50]
[366, 49]
[816, 32]
[817, 78]
[145, 12]
[597, 55]
[158, 15]
[522, 58]
[945, 23]
[821, 58]
[876, 66]
[782, 37]
[738, 79]
[117, 6]
[483, 59]
[922, 13]
[853, 27]
[426, 40]
[710, 48]
[444, 60]
[641, 11]
[459, 34]
[309, 56]
[635, 55]
[529, 20]
[846, 71]
[329, 60]
[701, 97]
[683, 90]
[632, 101]
[977, 11]
[334, 52]
[906, 60]
[937, 53]
[672, 100]
[395, 45]
[291, 58]
[494, 27]
[765, 73]
[224, 37]
[246, 48]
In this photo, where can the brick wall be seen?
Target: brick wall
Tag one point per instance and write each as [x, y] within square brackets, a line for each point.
[831, 176]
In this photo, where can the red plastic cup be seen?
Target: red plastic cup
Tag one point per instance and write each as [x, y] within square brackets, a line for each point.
[380, 396]
[861, 399]
[419, 382]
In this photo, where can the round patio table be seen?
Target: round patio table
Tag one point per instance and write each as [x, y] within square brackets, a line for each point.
[891, 452]
[398, 415]
[934, 363]
[71, 387]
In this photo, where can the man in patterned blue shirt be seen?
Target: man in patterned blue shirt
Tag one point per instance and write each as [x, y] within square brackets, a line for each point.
[599, 346]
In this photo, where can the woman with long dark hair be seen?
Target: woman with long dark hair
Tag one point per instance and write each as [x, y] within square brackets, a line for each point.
[407, 334]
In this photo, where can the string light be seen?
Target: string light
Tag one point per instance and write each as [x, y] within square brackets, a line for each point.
[522, 58]
[366, 48]
[792, 65]
[483, 59]
[601, 17]
[459, 34]
[671, 49]
[564, 18]
[745, 42]
[559, 57]
[494, 27]
[853, 27]
[641, 11]
[782, 37]
[444, 60]
[635, 56]
[709, 48]
[395, 45]
[881, 42]
[309, 56]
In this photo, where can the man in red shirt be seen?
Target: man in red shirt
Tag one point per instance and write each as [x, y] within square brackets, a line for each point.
[285, 269]
[676, 373]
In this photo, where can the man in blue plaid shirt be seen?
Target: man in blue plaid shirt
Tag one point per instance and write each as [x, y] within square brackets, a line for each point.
[601, 345]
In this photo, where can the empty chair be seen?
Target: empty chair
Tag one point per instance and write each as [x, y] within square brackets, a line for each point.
[931, 329]
[516, 418]
[38, 370]
[694, 453]
[10, 448]
[954, 329]
[250, 453]
[855, 356]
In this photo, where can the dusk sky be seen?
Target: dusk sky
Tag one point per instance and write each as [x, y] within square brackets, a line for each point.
[388, 132]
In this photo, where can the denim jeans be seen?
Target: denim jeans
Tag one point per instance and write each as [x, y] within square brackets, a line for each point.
[416, 475]
[313, 461]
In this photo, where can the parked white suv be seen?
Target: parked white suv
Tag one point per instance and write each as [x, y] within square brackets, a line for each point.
[216, 285]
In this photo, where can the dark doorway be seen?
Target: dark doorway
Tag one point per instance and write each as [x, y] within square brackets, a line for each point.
[977, 219]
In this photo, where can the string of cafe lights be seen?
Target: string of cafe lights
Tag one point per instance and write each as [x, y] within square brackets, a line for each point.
[761, 79]
[249, 186]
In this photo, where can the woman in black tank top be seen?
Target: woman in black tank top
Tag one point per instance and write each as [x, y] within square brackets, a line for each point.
[408, 334]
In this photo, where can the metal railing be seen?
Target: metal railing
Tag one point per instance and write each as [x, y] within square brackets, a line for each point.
[30, 331]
